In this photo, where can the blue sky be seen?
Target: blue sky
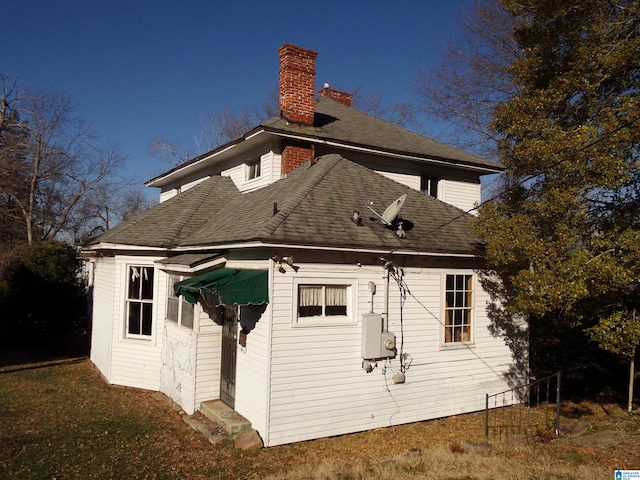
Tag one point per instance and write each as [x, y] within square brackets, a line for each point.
[141, 69]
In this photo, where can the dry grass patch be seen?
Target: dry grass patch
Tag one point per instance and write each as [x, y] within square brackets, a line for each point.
[63, 421]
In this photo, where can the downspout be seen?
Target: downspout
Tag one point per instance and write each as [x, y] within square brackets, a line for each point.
[267, 425]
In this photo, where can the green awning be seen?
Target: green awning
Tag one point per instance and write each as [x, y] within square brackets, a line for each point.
[226, 286]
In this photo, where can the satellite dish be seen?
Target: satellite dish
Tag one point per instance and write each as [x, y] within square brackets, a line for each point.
[391, 211]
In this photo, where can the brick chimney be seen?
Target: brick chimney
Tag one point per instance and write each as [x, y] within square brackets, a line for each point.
[342, 97]
[297, 101]
[297, 83]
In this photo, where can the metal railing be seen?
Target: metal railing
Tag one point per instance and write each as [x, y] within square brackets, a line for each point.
[530, 410]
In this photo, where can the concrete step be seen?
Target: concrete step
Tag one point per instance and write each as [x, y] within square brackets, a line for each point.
[231, 421]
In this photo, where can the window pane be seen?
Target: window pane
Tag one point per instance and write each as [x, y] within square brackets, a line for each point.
[134, 318]
[459, 299]
[450, 280]
[187, 314]
[171, 281]
[254, 169]
[146, 277]
[336, 296]
[134, 283]
[336, 310]
[449, 299]
[147, 309]
[310, 296]
[448, 317]
[172, 309]
[466, 334]
[459, 282]
[433, 187]
[310, 311]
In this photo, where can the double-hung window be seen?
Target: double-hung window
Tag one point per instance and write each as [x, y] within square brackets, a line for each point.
[458, 308]
[179, 310]
[323, 303]
[139, 301]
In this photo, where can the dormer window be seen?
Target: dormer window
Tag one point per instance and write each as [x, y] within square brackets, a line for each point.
[253, 169]
[429, 185]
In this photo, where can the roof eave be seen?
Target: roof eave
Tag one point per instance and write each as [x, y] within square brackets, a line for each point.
[484, 169]
[166, 177]
[346, 248]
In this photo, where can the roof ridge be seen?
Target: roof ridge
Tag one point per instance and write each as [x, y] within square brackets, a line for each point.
[327, 162]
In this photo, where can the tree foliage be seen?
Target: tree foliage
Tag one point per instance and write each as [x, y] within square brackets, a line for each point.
[42, 294]
[564, 235]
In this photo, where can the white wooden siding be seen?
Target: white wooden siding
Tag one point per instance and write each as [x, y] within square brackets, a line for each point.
[410, 180]
[267, 174]
[252, 371]
[207, 364]
[102, 315]
[462, 194]
[136, 362]
[178, 365]
[167, 194]
[318, 387]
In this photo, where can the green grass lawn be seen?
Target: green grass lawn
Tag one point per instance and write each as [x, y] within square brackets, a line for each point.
[63, 421]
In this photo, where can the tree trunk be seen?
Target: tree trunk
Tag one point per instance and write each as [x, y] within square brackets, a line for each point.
[631, 378]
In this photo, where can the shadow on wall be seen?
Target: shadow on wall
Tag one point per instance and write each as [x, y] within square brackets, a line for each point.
[542, 346]
[511, 327]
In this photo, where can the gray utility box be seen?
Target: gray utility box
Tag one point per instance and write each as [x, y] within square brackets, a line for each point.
[375, 342]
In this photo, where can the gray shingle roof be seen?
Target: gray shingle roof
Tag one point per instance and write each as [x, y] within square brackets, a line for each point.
[335, 121]
[314, 207]
[167, 223]
[349, 126]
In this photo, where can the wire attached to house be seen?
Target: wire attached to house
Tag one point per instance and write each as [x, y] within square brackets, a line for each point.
[386, 387]
[397, 273]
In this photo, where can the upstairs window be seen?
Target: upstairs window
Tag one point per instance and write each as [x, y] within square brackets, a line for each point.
[139, 301]
[253, 169]
[179, 310]
[429, 185]
[458, 309]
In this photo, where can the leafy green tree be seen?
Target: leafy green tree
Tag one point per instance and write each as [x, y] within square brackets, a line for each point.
[619, 333]
[44, 295]
[563, 237]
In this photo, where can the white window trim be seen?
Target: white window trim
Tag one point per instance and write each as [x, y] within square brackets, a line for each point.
[331, 320]
[443, 307]
[125, 307]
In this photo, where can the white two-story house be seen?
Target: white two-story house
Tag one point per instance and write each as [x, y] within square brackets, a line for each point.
[317, 274]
